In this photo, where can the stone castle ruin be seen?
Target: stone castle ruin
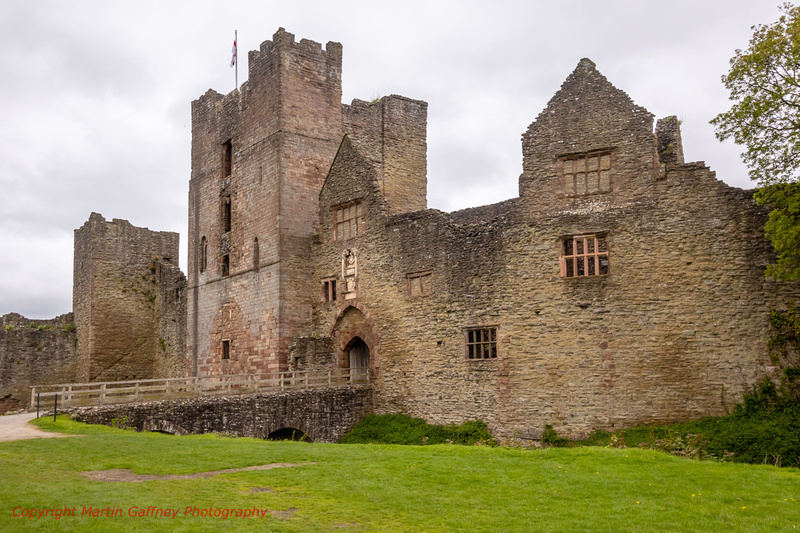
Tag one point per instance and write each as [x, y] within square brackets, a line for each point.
[622, 286]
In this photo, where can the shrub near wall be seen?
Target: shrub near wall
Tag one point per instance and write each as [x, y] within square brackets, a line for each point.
[402, 429]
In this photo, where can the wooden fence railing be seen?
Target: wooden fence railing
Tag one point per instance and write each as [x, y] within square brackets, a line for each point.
[72, 394]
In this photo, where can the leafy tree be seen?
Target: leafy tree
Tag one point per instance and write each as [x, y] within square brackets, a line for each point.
[764, 83]
[783, 227]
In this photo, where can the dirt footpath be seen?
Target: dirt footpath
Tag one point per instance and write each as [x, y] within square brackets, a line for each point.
[16, 427]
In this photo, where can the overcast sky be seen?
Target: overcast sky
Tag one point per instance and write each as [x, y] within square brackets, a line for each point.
[96, 97]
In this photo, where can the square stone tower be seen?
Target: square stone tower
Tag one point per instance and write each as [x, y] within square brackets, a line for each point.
[259, 158]
[129, 301]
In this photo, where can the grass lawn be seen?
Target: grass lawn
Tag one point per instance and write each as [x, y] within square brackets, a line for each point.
[384, 487]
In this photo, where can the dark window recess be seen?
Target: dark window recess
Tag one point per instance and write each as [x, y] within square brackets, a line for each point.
[329, 290]
[227, 159]
[226, 265]
[482, 343]
[226, 214]
[203, 254]
[226, 349]
[256, 254]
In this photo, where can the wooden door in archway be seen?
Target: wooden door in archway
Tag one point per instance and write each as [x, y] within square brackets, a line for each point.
[359, 360]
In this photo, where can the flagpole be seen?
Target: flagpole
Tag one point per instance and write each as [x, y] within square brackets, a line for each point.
[236, 43]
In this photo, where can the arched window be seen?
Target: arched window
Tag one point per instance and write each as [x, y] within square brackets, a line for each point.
[203, 254]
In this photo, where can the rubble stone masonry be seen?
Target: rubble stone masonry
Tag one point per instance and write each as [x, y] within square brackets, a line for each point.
[34, 352]
[129, 300]
[672, 325]
[622, 286]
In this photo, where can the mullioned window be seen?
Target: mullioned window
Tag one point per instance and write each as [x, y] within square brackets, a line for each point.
[586, 174]
[348, 221]
[584, 255]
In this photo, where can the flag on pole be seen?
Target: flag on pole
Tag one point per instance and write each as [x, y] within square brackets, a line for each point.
[233, 58]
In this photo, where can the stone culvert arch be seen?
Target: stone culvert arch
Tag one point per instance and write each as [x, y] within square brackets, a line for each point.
[324, 414]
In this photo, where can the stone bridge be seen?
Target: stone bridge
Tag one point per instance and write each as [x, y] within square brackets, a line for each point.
[321, 414]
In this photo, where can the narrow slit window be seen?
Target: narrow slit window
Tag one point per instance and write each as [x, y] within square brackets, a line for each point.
[256, 254]
[226, 265]
[226, 214]
[227, 159]
[203, 254]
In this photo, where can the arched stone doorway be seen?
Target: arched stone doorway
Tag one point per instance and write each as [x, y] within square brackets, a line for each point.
[356, 345]
[358, 356]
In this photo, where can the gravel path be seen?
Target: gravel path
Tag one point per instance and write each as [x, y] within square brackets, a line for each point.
[16, 427]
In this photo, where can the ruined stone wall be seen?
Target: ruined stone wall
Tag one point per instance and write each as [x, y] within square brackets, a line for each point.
[676, 329]
[34, 352]
[392, 133]
[284, 126]
[129, 301]
[323, 415]
[586, 115]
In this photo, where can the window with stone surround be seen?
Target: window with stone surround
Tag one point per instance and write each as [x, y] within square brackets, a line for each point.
[584, 255]
[348, 221]
[586, 173]
[226, 349]
[418, 284]
[481, 343]
[329, 290]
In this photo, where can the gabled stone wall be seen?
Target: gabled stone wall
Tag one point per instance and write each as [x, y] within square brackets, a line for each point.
[675, 329]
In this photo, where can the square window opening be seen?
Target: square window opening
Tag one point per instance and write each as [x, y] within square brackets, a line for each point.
[584, 256]
[482, 343]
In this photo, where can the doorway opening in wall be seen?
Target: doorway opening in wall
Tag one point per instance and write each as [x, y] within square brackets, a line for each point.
[358, 355]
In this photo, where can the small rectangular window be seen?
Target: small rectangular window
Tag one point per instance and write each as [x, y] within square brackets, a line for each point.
[226, 349]
[584, 256]
[329, 290]
[482, 343]
[348, 221]
[418, 284]
[226, 265]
